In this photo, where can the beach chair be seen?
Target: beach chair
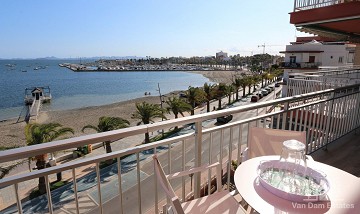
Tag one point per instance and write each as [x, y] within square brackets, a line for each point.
[216, 203]
[264, 141]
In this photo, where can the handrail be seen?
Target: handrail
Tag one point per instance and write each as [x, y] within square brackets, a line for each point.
[121, 153]
[319, 112]
[31, 151]
[87, 161]
[311, 4]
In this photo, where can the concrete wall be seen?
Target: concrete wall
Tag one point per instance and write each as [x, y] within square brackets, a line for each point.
[332, 53]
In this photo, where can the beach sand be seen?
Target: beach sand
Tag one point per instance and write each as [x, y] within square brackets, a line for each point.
[12, 133]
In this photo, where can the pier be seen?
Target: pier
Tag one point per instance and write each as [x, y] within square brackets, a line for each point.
[34, 97]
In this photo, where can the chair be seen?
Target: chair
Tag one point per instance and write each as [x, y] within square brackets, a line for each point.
[217, 203]
[263, 141]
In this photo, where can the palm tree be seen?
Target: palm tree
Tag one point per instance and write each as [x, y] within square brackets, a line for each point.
[263, 77]
[107, 124]
[250, 82]
[220, 92]
[268, 78]
[244, 82]
[228, 92]
[146, 112]
[278, 72]
[256, 78]
[42, 133]
[209, 94]
[177, 106]
[237, 85]
[193, 96]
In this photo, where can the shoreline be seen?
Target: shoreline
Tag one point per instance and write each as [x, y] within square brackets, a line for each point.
[12, 133]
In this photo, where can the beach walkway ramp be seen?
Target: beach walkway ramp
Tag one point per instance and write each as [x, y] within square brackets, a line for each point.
[34, 110]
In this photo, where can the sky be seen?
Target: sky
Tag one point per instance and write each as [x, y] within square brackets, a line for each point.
[155, 28]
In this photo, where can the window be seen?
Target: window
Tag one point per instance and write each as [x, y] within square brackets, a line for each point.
[292, 59]
[351, 58]
[311, 59]
[341, 59]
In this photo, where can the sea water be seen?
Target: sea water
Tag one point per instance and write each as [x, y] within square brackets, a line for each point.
[72, 90]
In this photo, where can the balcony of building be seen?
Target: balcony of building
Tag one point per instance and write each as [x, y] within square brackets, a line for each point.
[328, 18]
[312, 4]
[129, 186]
[326, 78]
[301, 65]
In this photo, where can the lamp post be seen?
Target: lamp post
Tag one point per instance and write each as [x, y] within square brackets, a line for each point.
[160, 96]
[161, 105]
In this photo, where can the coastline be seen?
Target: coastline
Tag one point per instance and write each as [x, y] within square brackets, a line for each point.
[219, 76]
[12, 133]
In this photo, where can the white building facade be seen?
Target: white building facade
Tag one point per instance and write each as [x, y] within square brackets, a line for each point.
[314, 56]
[221, 55]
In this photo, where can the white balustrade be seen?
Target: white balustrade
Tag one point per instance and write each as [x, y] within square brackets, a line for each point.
[326, 115]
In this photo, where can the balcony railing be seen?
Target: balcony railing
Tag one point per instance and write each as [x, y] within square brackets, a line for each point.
[129, 185]
[321, 80]
[311, 4]
[314, 65]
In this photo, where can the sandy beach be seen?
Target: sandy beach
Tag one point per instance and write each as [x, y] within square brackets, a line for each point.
[12, 133]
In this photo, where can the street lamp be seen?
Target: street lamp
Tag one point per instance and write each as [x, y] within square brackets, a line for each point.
[160, 96]
[161, 105]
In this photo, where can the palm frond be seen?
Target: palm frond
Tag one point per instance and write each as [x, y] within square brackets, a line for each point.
[90, 127]
[146, 112]
[41, 133]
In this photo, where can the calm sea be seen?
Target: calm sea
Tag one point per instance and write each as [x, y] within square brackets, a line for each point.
[72, 90]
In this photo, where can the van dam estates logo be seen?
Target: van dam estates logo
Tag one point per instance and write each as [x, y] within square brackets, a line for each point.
[321, 203]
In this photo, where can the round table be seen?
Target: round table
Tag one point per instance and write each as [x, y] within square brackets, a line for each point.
[343, 196]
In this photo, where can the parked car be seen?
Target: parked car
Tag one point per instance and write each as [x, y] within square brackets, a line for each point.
[264, 92]
[268, 90]
[259, 94]
[254, 98]
[271, 87]
[277, 84]
[224, 119]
